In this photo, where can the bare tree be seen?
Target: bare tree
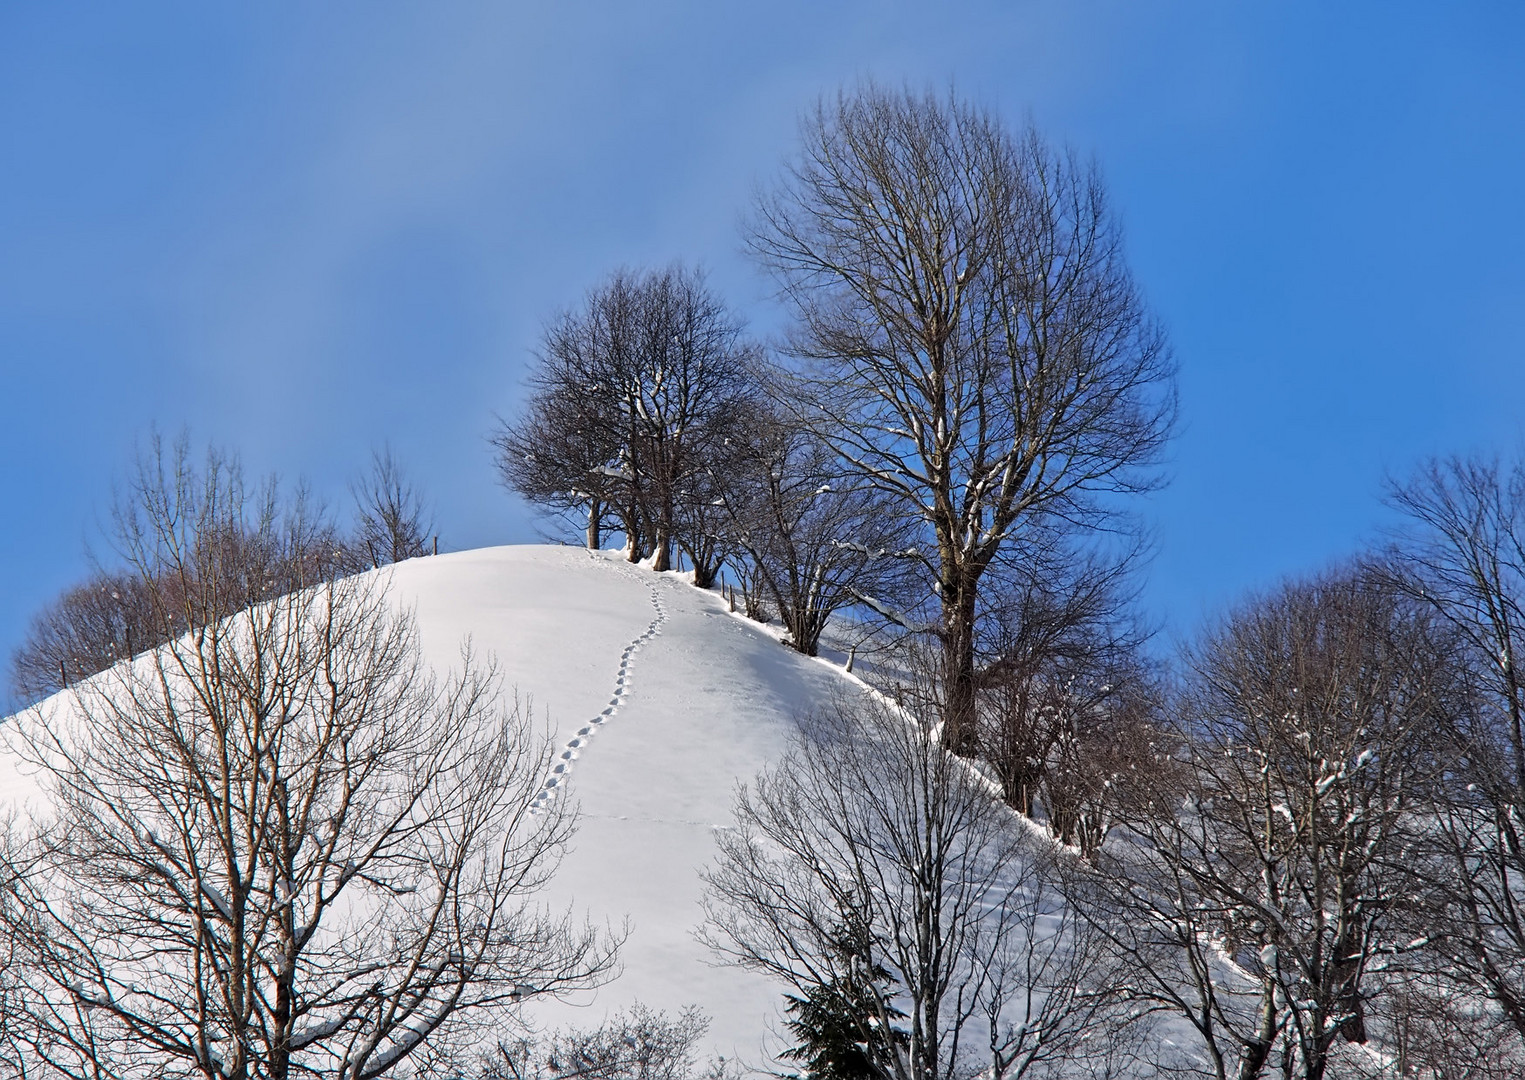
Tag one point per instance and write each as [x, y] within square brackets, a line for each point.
[816, 545]
[277, 845]
[1464, 557]
[1065, 700]
[873, 859]
[690, 374]
[391, 521]
[977, 348]
[564, 451]
[1260, 904]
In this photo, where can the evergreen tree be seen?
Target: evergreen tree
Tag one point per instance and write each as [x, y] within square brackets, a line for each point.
[839, 1027]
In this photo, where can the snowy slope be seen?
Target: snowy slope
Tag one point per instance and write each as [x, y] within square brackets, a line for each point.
[702, 701]
[663, 701]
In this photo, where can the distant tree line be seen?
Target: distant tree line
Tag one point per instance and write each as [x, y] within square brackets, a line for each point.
[277, 543]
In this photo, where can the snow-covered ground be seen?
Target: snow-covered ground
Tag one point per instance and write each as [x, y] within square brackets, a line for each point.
[663, 701]
[679, 700]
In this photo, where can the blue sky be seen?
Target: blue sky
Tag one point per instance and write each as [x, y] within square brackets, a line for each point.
[303, 229]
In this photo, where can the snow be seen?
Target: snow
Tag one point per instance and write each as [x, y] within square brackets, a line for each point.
[662, 701]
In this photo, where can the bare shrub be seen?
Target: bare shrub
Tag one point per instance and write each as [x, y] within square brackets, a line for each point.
[636, 1044]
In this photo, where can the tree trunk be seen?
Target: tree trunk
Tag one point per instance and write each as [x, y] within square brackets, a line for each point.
[633, 532]
[666, 515]
[1253, 1055]
[958, 713]
[595, 533]
[804, 633]
[704, 573]
[1353, 1027]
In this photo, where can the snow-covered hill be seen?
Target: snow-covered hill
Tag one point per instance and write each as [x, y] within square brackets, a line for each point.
[659, 701]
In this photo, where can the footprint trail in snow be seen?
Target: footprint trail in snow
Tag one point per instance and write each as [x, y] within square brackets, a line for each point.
[562, 767]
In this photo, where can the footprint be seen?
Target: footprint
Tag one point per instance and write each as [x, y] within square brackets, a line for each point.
[622, 682]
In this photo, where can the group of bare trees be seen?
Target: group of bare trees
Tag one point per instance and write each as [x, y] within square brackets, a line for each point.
[1325, 875]
[278, 543]
[1310, 865]
[974, 368]
[1268, 880]
[651, 415]
[1303, 844]
[1306, 844]
[637, 403]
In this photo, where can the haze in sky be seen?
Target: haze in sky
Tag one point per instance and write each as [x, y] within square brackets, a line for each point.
[301, 230]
